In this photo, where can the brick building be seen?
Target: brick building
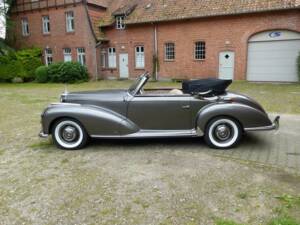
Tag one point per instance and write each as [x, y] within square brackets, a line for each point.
[253, 40]
[64, 29]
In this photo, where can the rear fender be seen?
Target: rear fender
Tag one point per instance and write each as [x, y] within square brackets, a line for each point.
[96, 120]
[247, 116]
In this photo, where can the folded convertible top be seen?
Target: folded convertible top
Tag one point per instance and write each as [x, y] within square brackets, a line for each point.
[215, 86]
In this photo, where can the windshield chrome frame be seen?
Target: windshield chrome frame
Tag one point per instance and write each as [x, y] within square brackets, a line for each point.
[143, 79]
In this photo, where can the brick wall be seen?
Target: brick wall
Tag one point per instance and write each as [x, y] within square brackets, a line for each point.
[58, 39]
[219, 33]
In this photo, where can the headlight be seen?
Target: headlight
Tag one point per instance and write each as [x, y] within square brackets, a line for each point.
[63, 98]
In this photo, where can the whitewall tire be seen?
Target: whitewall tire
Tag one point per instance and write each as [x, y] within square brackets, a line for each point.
[69, 134]
[223, 133]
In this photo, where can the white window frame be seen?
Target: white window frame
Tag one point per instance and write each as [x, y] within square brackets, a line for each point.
[48, 56]
[170, 51]
[25, 27]
[81, 56]
[140, 57]
[67, 54]
[120, 25]
[46, 24]
[103, 59]
[112, 57]
[70, 21]
[200, 50]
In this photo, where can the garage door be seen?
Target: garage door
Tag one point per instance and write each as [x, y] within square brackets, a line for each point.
[272, 56]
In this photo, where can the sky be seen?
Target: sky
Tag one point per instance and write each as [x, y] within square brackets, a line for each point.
[2, 23]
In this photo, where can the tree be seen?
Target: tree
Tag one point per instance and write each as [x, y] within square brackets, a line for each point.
[5, 8]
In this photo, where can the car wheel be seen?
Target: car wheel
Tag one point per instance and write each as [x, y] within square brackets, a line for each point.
[223, 133]
[69, 134]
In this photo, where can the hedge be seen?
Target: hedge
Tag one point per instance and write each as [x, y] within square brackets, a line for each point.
[69, 72]
[20, 64]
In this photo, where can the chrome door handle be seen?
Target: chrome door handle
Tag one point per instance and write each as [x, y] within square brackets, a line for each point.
[186, 106]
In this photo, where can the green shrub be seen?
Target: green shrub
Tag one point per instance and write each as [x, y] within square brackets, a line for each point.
[69, 72]
[73, 72]
[20, 64]
[10, 67]
[54, 72]
[30, 59]
[41, 74]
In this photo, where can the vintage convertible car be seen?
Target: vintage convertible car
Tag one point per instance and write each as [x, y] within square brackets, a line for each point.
[200, 108]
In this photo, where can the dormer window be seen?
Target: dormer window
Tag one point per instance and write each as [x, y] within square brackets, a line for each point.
[120, 25]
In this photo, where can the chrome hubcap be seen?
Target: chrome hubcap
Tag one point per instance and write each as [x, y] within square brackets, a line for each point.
[222, 132]
[69, 133]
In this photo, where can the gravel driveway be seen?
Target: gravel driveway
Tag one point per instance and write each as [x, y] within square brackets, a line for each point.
[137, 182]
[147, 181]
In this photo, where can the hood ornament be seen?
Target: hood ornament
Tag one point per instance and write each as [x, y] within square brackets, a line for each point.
[66, 90]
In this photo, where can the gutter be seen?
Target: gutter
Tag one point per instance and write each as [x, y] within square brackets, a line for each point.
[156, 51]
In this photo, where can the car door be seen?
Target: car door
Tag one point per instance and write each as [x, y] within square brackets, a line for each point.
[160, 112]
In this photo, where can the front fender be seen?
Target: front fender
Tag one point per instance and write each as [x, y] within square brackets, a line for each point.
[96, 120]
[248, 116]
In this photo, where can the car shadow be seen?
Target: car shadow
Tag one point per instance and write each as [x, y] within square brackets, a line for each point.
[146, 142]
[249, 141]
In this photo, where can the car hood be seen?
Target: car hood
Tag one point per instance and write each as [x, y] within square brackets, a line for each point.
[112, 100]
[102, 95]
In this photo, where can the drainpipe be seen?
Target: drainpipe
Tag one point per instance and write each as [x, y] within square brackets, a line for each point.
[94, 35]
[156, 51]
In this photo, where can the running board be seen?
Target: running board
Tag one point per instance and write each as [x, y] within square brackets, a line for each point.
[155, 134]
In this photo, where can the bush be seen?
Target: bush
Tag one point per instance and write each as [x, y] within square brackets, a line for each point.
[69, 72]
[10, 67]
[30, 59]
[54, 72]
[41, 74]
[20, 64]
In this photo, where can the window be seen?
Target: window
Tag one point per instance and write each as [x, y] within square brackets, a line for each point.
[139, 57]
[200, 50]
[46, 24]
[70, 21]
[103, 59]
[67, 55]
[48, 56]
[25, 27]
[81, 56]
[169, 51]
[112, 59]
[120, 25]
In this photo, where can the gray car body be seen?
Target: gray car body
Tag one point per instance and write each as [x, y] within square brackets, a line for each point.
[132, 114]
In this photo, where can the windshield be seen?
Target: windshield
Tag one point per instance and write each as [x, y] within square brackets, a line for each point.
[139, 83]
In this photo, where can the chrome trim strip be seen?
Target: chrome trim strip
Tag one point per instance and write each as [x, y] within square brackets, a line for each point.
[155, 134]
[274, 126]
[64, 103]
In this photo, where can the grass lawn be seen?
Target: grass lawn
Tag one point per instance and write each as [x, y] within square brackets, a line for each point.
[279, 98]
[160, 182]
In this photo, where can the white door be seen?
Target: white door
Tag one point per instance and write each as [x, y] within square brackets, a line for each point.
[273, 61]
[124, 73]
[226, 65]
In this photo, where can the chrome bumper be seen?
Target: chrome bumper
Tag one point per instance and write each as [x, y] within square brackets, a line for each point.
[42, 135]
[274, 126]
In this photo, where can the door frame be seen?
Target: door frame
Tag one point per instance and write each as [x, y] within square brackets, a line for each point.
[120, 71]
[231, 51]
